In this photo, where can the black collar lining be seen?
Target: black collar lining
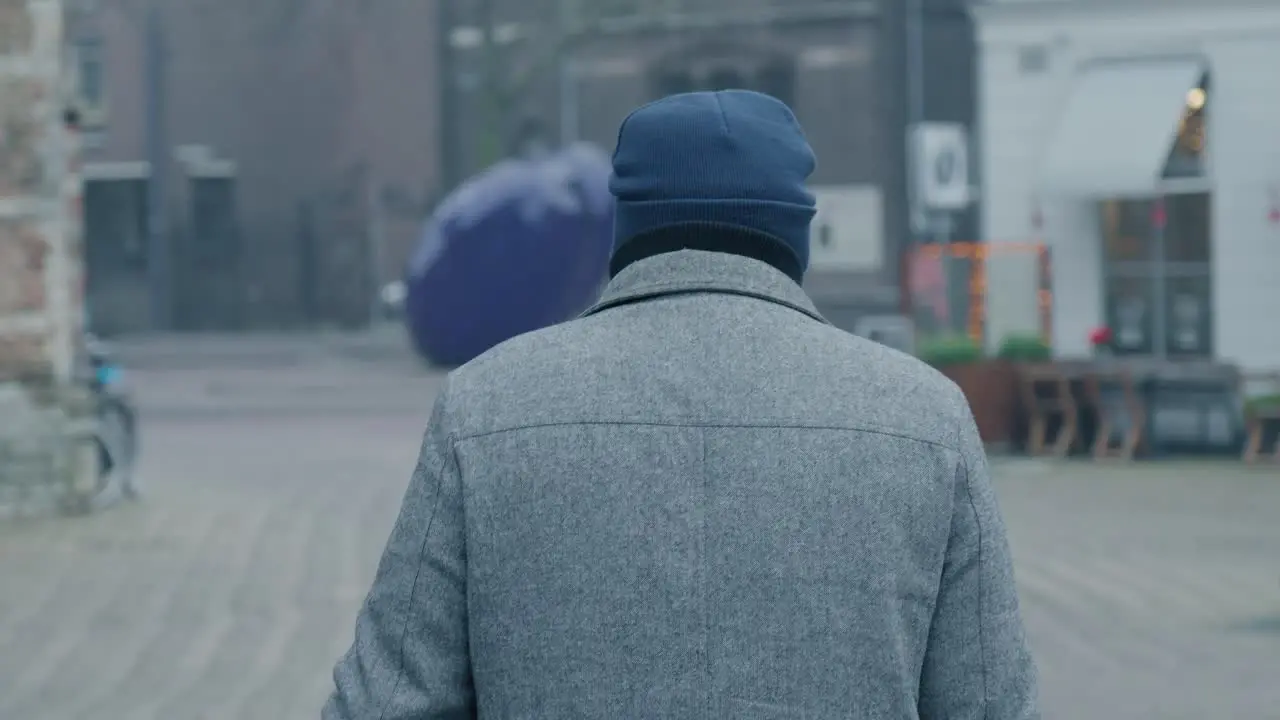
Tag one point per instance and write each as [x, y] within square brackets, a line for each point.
[709, 237]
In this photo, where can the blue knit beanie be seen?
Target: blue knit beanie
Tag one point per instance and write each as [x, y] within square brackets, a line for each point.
[732, 157]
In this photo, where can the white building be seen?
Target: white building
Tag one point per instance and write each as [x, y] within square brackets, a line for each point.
[1140, 140]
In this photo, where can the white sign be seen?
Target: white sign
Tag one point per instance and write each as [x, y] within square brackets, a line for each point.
[847, 233]
[896, 331]
[941, 166]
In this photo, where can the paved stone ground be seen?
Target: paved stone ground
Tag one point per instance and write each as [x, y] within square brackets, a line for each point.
[1150, 592]
[229, 592]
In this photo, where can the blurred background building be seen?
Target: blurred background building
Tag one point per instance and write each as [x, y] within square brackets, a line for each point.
[1138, 139]
[268, 163]
[848, 68]
[296, 146]
[40, 241]
[293, 144]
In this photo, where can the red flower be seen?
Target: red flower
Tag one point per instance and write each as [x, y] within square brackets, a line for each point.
[1100, 336]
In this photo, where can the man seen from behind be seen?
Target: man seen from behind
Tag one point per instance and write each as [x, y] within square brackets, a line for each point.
[700, 500]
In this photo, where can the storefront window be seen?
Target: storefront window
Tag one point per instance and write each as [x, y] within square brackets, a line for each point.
[1190, 322]
[1126, 230]
[1129, 313]
[1158, 257]
[1187, 157]
[1186, 236]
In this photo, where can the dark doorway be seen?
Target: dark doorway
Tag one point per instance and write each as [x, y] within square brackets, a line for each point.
[115, 238]
[210, 292]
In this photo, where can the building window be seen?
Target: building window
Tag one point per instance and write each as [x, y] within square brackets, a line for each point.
[1158, 253]
[1126, 227]
[90, 66]
[1186, 235]
[1187, 156]
[1158, 258]
[1129, 313]
[90, 83]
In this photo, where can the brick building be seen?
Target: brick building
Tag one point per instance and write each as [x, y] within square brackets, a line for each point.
[40, 262]
[39, 236]
[296, 143]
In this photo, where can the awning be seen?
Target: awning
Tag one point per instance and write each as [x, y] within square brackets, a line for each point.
[1119, 127]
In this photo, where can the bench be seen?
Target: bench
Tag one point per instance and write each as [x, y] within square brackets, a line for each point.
[1121, 412]
[1046, 394]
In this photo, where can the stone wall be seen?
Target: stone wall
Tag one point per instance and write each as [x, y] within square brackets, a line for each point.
[41, 310]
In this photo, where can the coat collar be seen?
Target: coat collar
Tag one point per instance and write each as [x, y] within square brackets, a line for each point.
[696, 271]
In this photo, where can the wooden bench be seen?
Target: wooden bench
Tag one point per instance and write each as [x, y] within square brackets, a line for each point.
[1257, 418]
[1119, 405]
[1046, 394]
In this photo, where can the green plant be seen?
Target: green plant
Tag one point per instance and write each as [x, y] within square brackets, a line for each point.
[949, 350]
[1262, 403]
[1024, 347]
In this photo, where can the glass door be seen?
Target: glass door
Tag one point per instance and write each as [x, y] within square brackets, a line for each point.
[1129, 305]
[1188, 276]
[1157, 271]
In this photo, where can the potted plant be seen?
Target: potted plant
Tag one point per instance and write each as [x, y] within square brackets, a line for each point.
[989, 384]
[1024, 348]
[1101, 339]
[949, 350]
[1260, 404]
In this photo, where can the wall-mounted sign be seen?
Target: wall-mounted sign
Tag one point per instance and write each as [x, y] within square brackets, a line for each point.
[848, 229]
[940, 154]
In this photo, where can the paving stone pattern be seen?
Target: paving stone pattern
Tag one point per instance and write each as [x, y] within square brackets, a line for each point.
[1150, 592]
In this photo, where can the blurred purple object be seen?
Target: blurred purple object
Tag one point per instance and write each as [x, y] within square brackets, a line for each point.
[521, 246]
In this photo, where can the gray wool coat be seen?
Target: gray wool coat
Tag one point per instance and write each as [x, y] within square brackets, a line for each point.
[699, 501]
